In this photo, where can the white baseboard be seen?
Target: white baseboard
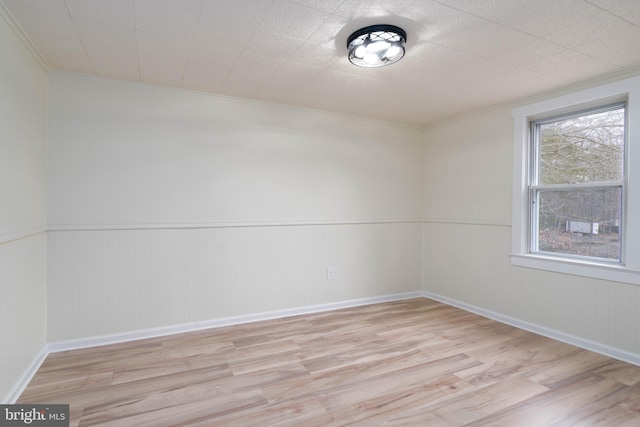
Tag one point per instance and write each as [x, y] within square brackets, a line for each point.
[217, 323]
[26, 376]
[596, 347]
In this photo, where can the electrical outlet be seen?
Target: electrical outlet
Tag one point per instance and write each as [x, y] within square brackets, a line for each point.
[331, 273]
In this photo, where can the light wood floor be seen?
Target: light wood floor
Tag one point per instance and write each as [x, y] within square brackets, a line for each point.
[415, 362]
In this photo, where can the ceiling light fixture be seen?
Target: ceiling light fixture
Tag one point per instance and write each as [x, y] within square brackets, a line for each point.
[376, 45]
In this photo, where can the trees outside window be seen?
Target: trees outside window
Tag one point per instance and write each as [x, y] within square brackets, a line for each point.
[576, 184]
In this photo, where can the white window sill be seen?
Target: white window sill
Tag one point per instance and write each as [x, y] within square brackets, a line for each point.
[611, 272]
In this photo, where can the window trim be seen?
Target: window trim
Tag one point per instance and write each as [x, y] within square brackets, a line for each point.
[627, 91]
[535, 188]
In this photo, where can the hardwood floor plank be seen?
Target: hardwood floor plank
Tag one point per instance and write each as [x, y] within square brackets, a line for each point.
[620, 371]
[294, 412]
[175, 415]
[474, 404]
[405, 363]
[115, 394]
[618, 409]
[552, 407]
[404, 407]
[368, 388]
[169, 367]
[285, 361]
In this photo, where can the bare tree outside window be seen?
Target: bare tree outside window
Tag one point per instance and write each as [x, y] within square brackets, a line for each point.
[577, 184]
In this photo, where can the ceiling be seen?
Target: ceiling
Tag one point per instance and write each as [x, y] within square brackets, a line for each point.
[462, 55]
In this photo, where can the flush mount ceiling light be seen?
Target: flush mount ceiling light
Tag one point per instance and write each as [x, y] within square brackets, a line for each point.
[376, 45]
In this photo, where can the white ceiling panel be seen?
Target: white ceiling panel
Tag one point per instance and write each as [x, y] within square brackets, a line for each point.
[57, 6]
[293, 20]
[303, 75]
[163, 45]
[556, 17]
[623, 9]
[461, 54]
[316, 55]
[204, 76]
[613, 40]
[215, 53]
[465, 30]
[327, 31]
[61, 48]
[115, 63]
[499, 11]
[171, 17]
[368, 9]
[569, 64]
[161, 70]
[41, 21]
[323, 5]
[113, 12]
[535, 52]
[107, 35]
[212, 39]
[259, 65]
[271, 44]
[233, 13]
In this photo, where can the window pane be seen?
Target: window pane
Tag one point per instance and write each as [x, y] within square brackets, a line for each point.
[587, 148]
[580, 222]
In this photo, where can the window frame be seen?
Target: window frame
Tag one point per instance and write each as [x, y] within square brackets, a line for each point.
[628, 269]
[535, 188]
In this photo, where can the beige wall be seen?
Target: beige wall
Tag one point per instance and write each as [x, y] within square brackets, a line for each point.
[467, 239]
[168, 207]
[23, 93]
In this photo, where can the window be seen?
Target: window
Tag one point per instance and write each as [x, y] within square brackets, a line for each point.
[576, 187]
[576, 184]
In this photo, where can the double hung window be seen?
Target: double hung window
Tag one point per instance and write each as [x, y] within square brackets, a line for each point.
[576, 183]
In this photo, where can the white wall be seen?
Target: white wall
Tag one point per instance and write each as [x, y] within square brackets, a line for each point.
[467, 238]
[171, 207]
[23, 97]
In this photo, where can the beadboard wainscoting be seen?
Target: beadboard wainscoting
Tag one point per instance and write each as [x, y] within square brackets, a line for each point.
[23, 312]
[143, 334]
[115, 281]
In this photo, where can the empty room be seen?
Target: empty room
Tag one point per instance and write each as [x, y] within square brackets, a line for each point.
[319, 213]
